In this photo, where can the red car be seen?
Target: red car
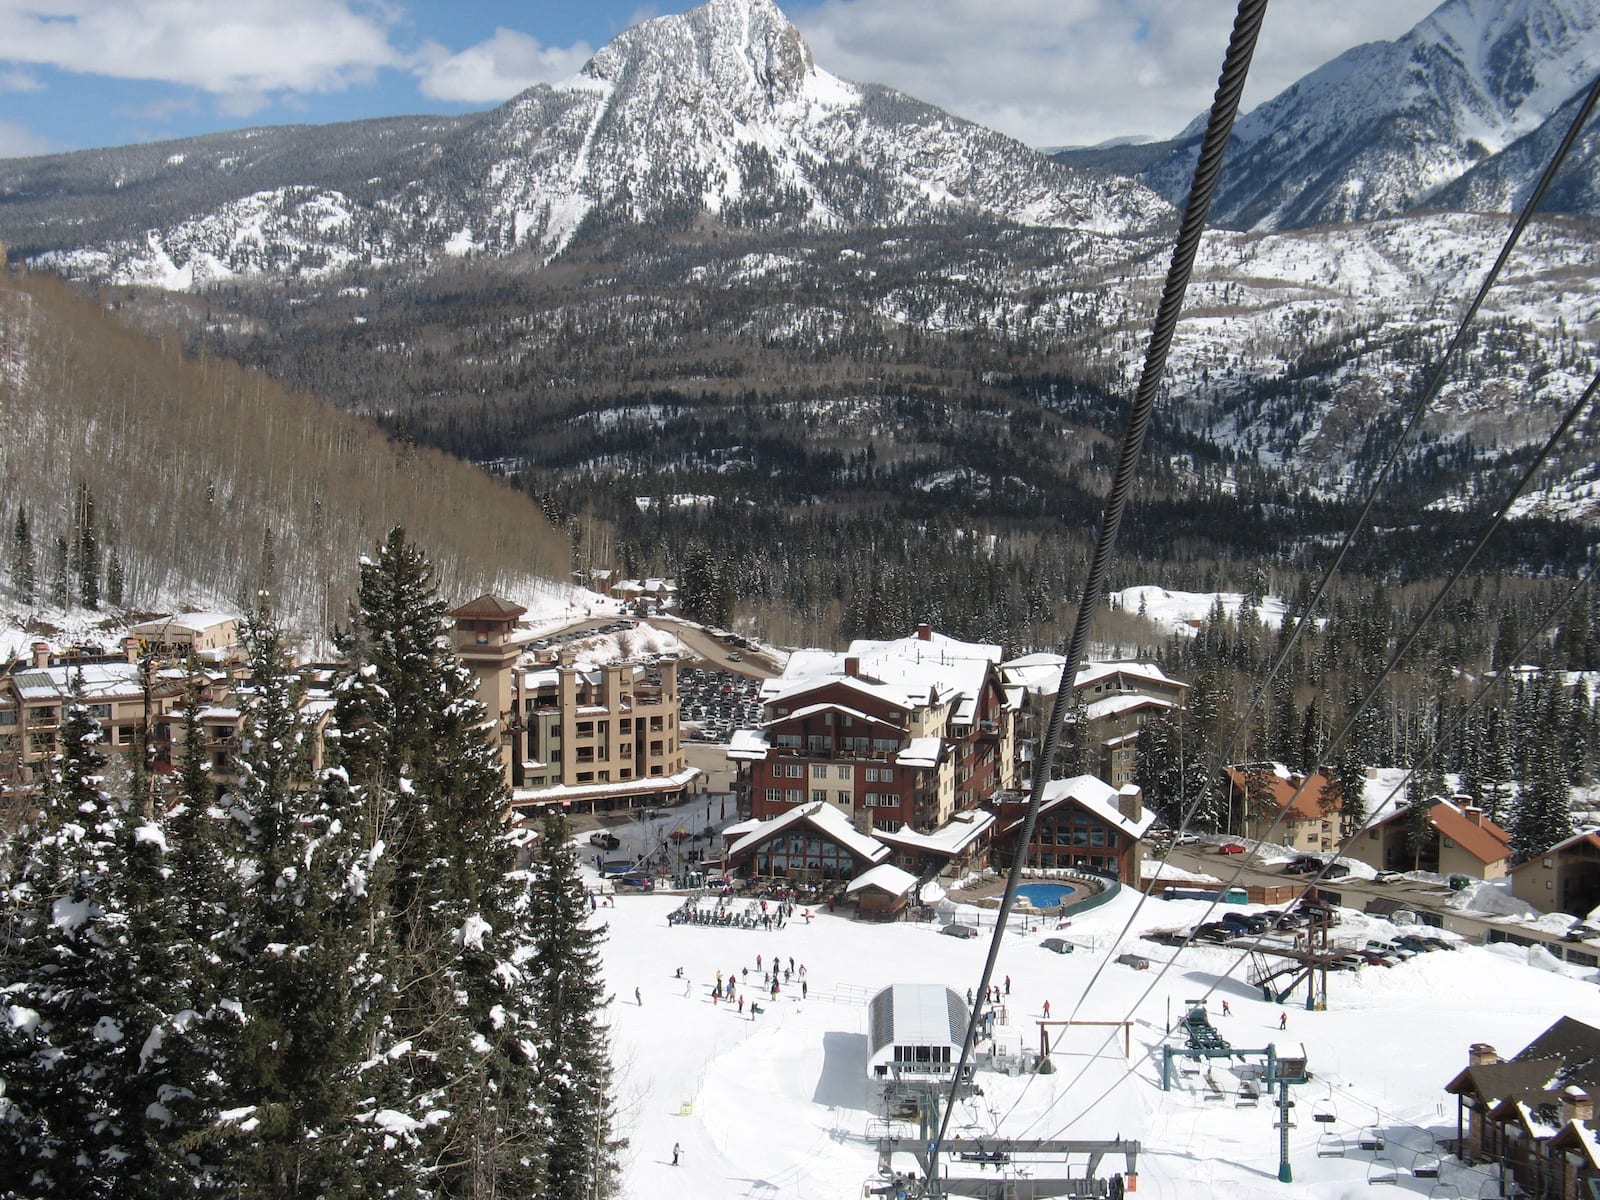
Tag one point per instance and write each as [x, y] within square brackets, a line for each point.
[1230, 848]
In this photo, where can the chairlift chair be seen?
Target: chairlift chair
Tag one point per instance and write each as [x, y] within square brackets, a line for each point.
[1425, 1165]
[1325, 1113]
[1382, 1170]
[1371, 1138]
[1330, 1145]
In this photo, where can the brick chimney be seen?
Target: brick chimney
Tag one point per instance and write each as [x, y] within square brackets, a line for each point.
[1130, 802]
[852, 667]
[1576, 1104]
[41, 655]
[1482, 1054]
[924, 632]
[1473, 814]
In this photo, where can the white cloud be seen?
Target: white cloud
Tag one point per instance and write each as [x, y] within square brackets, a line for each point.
[17, 141]
[497, 69]
[18, 81]
[241, 50]
[1063, 72]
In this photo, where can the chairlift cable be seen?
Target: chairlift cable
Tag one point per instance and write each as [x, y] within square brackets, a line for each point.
[1208, 167]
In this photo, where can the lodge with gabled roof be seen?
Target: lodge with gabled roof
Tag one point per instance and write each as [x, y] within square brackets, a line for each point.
[896, 735]
[1461, 840]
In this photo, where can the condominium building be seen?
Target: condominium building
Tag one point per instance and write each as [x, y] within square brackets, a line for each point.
[573, 733]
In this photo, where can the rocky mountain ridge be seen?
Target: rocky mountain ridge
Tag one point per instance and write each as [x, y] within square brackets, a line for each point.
[1392, 127]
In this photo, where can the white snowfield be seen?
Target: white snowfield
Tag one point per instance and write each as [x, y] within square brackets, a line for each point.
[780, 1105]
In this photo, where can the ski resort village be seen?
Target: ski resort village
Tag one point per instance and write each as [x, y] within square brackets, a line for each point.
[797, 860]
[593, 610]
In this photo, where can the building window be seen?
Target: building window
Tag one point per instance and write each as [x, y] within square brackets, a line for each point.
[774, 795]
[625, 725]
[842, 772]
[794, 795]
[819, 795]
[843, 797]
[583, 729]
[793, 770]
[819, 771]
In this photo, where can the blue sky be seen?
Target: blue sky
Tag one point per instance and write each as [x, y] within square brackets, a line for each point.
[85, 73]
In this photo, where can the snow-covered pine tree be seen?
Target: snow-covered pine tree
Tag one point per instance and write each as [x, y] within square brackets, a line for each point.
[62, 1132]
[289, 1130]
[460, 1034]
[574, 1079]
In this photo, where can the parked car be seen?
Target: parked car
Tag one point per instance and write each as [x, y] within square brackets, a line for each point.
[1335, 870]
[1137, 961]
[1375, 959]
[957, 930]
[1302, 866]
[1390, 950]
[1438, 943]
[1347, 962]
[606, 841]
[1288, 920]
[1186, 839]
[1059, 945]
[1388, 877]
[1245, 922]
[1231, 848]
[1215, 931]
[1415, 944]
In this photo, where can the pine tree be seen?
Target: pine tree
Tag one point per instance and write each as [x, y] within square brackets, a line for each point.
[1544, 808]
[24, 568]
[291, 971]
[62, 1132]
[412, 743]
[574, 1068]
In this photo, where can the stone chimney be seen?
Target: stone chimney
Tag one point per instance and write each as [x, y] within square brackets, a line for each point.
[1473, 814]
[852, 667]
[1130, 802]
[1576, 1104]
[41, 655]
[864, 820]
[130, 648]
[924, 632]
[1481, 1054]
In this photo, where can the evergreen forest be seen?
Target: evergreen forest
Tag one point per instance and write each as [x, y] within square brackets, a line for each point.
[341, 974]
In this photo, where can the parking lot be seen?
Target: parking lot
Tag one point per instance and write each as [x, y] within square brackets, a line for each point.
[713, 703]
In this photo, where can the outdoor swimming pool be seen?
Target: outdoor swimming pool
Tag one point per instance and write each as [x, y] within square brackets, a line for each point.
[1046, 895]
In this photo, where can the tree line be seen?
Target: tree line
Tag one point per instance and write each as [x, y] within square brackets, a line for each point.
[352, 979]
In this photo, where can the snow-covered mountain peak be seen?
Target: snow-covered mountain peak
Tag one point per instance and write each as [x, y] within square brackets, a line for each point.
[735, 47]
[1386, 126]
